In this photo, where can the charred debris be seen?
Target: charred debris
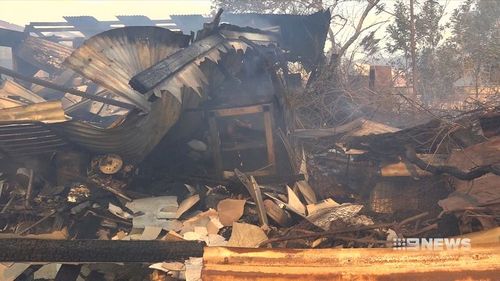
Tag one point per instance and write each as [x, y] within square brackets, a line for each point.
[163, 142]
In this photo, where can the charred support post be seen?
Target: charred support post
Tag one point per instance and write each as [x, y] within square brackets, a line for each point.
[83, 251]
[268, 125]
[215, 143]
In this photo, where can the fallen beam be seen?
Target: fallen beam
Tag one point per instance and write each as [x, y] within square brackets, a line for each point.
[89, 251]
[478, 263]
[71, 91]
[153, 76]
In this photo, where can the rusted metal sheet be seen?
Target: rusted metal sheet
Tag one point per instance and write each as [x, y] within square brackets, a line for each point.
[183, 86]
[24, 130]
[113, 57]
[478, 263]
[132, 139]
[46, 112]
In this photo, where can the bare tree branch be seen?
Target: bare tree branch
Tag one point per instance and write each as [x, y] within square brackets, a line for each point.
[359, 28]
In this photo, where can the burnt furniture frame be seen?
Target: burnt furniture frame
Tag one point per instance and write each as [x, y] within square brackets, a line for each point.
[217, 149]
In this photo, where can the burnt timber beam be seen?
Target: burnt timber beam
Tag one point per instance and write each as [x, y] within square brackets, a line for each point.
[89, 251]
[71, 91]
[153, 76]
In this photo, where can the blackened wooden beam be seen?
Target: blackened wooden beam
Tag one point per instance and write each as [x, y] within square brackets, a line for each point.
[153, 76]
[88, 251]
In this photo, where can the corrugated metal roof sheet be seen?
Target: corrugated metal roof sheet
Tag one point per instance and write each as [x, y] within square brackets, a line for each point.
[19, 139]
[113, 57]
[478, 263]
[45, 112]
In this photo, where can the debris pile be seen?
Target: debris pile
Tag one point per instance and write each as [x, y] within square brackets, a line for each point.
[145, 134]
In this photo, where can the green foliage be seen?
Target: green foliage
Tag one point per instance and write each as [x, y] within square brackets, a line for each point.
[428, 30]
[476, 32]
[399, 30]
[472, 49]
[369, 44]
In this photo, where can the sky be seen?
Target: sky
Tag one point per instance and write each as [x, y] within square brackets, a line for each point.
[21, 12]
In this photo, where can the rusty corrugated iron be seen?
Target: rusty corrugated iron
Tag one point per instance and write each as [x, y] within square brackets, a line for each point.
[478, 263]
[19, 139]
[25, 130]
[135, 137]
[113, 57]
[45, 112]
[184, 87]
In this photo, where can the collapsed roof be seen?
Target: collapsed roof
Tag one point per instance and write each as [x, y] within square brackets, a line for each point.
[151, 73]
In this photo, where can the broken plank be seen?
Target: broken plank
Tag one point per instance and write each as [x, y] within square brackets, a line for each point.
[276, 213]
[260, 203]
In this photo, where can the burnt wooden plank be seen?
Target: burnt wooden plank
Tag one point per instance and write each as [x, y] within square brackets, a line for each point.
[153, 76]
[82, 251]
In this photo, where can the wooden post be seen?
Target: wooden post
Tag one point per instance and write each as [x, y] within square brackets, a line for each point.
[268, 125]
[215, 143]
